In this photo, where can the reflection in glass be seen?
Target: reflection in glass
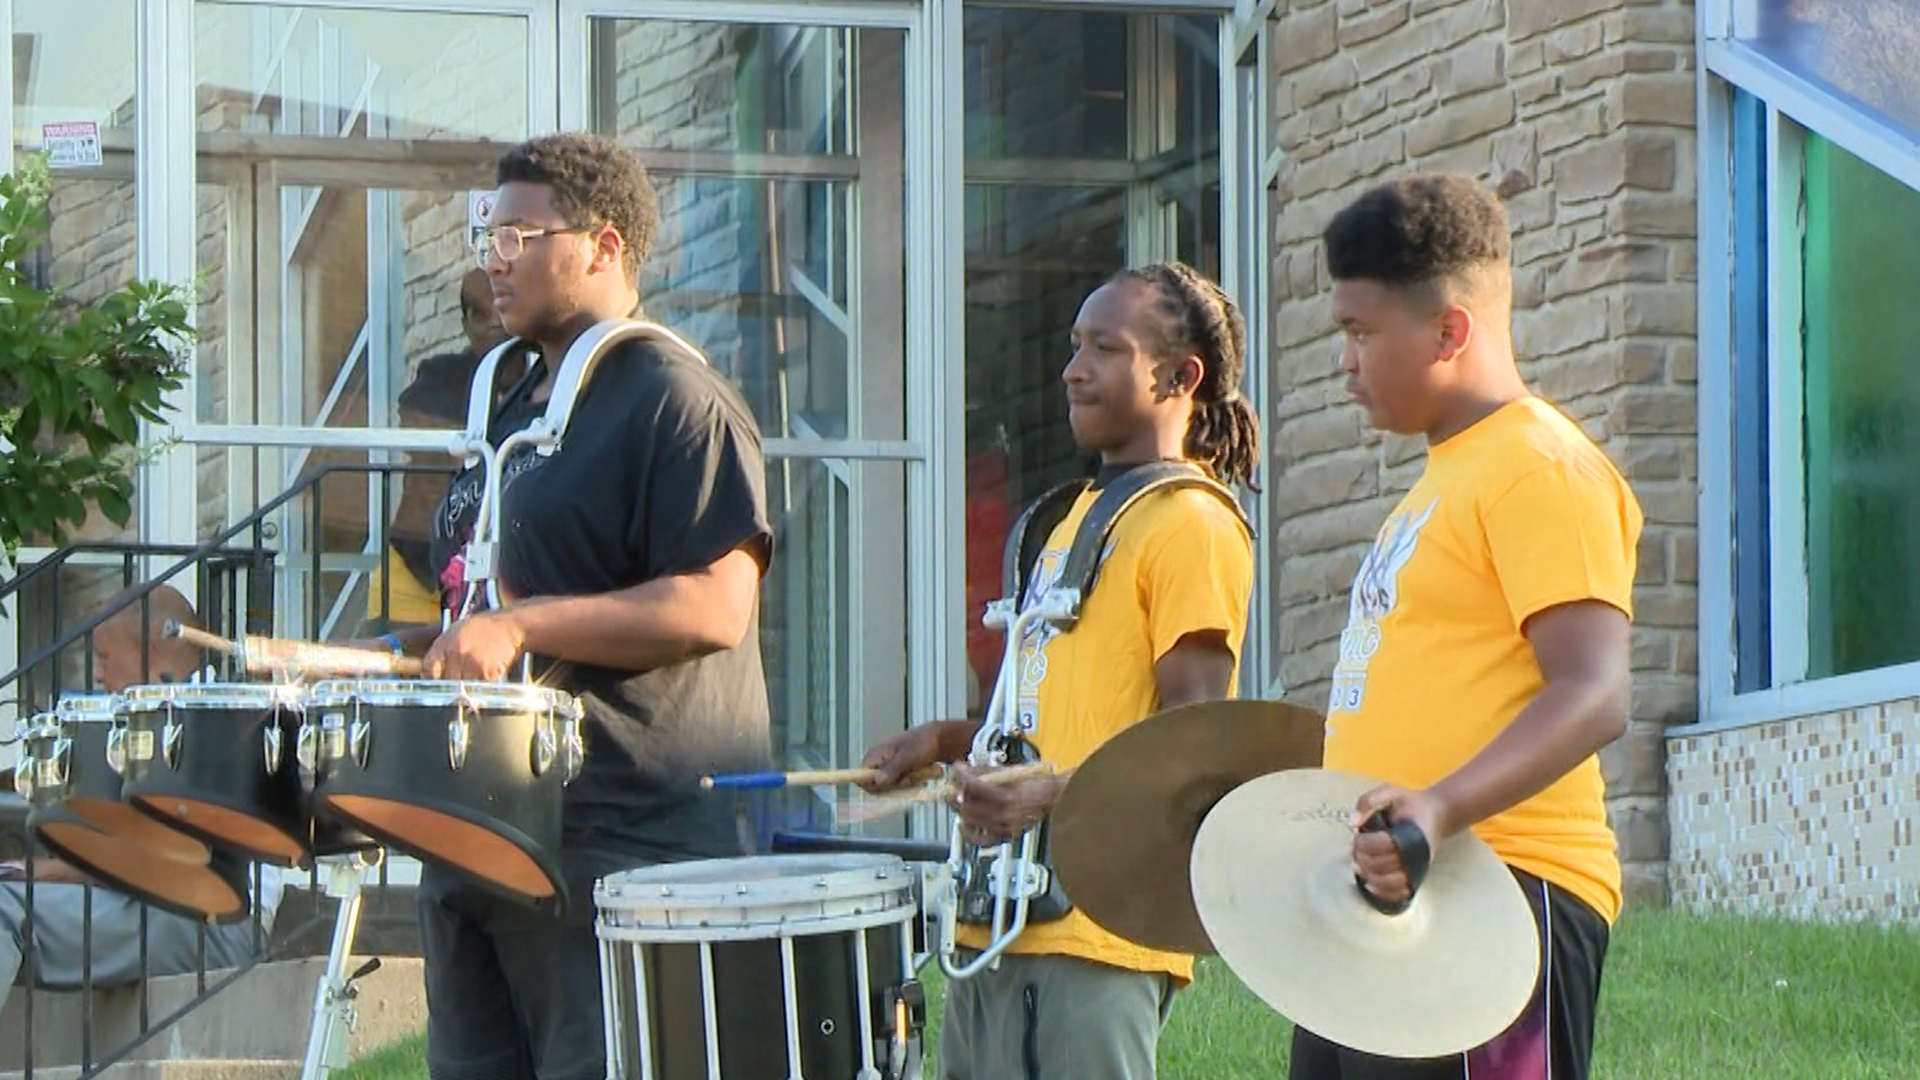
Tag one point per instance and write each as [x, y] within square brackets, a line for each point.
[1861, 275]
[1092, 144]
[775, 191]
[338, 151]
[1863, 48]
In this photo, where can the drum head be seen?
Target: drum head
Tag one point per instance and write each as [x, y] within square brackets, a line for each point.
[124, 822]
[478, 850]
[224, 825]
[215, 891]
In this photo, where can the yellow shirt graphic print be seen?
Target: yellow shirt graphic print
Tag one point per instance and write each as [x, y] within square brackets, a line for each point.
[1515, 515]
[1375, 589]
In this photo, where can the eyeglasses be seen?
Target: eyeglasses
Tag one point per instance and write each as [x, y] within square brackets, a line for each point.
[510, 241]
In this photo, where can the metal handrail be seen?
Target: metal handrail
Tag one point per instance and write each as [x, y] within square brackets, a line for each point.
[255, 521]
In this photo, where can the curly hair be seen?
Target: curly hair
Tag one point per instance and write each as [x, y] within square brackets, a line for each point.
[1198, 319]
[1429, 232]
[595, 181]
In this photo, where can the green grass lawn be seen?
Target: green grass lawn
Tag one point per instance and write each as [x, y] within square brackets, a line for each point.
[1685, 998]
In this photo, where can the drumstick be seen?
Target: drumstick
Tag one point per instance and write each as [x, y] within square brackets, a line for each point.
[271, 654]
[807, 778]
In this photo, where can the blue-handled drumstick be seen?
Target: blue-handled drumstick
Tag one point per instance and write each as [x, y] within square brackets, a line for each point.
[761, 780]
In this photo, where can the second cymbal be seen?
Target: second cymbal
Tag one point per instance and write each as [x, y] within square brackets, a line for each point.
[1122, 832]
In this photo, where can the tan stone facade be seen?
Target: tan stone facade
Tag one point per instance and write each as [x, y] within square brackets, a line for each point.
[1581, 113]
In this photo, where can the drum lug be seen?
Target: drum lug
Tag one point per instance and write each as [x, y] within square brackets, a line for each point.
[306, 746]
[576, 752]
[359, 734]
[545, 746]
[117, 749]
[273, 748]
[170, 743]
[459, 734]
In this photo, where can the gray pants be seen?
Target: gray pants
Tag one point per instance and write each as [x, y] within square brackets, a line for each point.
[173, 942]
[1053, 1018]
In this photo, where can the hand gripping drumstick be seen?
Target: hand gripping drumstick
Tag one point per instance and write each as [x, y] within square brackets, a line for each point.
[258, 654]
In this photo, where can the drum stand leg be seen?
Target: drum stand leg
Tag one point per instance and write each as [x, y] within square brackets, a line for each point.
[333, 1015]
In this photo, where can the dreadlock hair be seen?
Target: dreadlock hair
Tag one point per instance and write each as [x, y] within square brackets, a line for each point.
[1198, 319]
[595, 181]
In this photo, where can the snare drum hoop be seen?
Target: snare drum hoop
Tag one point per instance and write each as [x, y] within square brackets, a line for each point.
[159, 697]
[85, 708]
[439, 693]
[815, 895]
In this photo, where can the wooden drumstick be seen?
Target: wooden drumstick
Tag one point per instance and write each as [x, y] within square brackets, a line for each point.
[270, 654]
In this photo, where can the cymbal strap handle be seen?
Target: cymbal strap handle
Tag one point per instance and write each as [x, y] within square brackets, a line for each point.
[1416, 855]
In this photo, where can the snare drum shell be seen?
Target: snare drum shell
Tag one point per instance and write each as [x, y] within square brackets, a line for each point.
[849, 920]
[402, 775]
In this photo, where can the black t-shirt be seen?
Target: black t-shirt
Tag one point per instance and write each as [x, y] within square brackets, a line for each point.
[660, 473]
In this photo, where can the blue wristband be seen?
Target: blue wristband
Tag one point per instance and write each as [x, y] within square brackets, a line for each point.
[394, 641]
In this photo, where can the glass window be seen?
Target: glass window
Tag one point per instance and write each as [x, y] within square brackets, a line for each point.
[1861, 274]
[779, 155]
[1092, 143]
[1862, 48]
[338, 149]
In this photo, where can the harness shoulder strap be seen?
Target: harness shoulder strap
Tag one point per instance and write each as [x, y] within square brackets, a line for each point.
[585, 354]
[1028, 537]
[1082, 566]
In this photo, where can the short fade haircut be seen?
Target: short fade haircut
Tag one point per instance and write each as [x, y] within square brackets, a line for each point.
[1430, 234]
[595, 181]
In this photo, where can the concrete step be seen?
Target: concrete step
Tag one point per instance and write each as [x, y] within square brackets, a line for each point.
[174, 1070]
[263, 1016]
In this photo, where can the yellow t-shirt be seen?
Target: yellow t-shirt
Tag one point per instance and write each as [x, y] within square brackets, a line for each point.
[1179, 562]
[409, 602]
[1519, 513]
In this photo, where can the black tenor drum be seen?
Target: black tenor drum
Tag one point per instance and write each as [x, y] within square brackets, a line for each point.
[463, 775]
[70, 775]
[74, 758]
[216, 760]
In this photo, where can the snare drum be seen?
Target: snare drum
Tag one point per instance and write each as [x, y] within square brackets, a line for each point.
[74, 757]
[463, 775]
[216, 760]
[761, 968]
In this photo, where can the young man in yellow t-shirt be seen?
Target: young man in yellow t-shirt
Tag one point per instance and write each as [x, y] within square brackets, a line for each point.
[1157, 360]
[1485, 661]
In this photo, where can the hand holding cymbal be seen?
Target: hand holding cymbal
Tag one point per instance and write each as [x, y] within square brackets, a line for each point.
[1274, 885]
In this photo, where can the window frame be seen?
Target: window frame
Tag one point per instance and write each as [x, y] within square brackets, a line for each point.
[1735, 623]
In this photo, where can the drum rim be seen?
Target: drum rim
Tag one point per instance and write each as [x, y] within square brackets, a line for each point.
[150, 696]
[440, 693]
[899, 914]
[85, 707]
[848, 876]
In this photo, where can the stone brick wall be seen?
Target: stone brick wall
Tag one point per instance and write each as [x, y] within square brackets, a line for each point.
[1581, 113]
[1811, 817]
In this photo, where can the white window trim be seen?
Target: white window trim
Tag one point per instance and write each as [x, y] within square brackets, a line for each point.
[1893, 152]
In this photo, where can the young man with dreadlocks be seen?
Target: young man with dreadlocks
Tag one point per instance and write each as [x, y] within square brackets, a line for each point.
[1158, 354]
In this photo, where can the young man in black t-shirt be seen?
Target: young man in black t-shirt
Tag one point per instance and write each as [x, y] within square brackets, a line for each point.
[629, 563]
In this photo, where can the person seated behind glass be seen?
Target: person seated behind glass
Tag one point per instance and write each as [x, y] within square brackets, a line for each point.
[59, 903]
[436, 398]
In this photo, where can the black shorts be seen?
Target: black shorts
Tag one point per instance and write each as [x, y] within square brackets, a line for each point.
[1552, 1039]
